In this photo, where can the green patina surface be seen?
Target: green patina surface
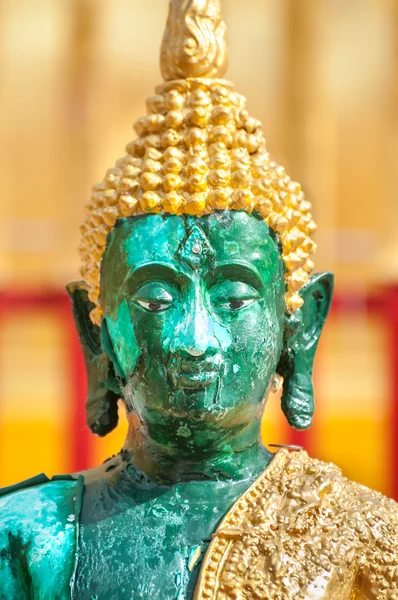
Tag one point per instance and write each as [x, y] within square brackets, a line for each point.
[38, 541]
[194, 329]
[138, 539]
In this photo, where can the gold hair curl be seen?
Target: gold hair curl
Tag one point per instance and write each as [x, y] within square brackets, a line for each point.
[198, 150]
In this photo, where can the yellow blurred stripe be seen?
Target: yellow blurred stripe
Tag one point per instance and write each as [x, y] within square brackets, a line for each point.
[35, 395]
[360, 446]
[353, 401]
[31, 447]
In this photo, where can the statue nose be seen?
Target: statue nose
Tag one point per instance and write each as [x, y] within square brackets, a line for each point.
[196, 333]
[196, 339]
[196, 351]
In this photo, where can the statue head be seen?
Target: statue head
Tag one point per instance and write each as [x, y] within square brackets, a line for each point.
[197, 265]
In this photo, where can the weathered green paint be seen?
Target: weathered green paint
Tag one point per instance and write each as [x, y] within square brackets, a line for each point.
[101, 401]
[197, 338]
[39, 541]
[302, 332]
[137, 537]
[195, 327]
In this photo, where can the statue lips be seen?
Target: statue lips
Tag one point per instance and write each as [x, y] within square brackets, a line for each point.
[194, 374]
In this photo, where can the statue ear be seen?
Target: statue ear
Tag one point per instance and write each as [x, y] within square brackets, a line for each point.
[103, 391]
[302, 332]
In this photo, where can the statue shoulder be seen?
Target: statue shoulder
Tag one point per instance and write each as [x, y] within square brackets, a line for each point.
[365, 518]
[348, 495]
[313, 528]
[38, 537]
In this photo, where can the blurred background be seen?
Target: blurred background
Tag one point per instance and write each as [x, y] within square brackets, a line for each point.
[322, 77]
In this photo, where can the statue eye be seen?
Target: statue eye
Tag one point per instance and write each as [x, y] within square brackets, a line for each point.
[233, 295]
[153, 306]
[237, 304]
[154, 297]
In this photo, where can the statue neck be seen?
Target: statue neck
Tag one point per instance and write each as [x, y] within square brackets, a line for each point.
[242, 457]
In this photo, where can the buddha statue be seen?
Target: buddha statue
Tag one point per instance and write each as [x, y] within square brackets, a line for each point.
[197, 300]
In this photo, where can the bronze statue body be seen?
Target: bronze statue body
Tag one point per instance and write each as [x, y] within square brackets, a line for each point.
[197, 299]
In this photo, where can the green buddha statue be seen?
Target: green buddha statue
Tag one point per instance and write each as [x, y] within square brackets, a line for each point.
[197, 300]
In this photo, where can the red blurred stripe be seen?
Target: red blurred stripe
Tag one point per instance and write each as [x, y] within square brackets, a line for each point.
[80, 433]
[300, 438]
[392, 317]
[343, 304]
[385, 303]
[57, 301]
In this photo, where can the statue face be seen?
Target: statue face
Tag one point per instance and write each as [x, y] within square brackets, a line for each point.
[194, 309]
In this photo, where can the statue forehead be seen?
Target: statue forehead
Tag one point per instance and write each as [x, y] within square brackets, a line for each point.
[192, 241]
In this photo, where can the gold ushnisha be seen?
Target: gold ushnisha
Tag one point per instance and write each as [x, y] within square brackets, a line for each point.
[198, 150]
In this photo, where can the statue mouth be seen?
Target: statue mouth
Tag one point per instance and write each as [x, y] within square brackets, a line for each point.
[194, 374]
[196, 380]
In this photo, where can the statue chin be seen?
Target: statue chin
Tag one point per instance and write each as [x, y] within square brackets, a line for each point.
[196, 397]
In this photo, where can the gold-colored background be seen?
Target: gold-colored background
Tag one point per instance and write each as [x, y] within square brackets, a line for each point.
[322, 77]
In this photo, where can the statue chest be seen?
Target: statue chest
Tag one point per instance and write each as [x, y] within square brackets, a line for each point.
[301, 531]
[149, 543]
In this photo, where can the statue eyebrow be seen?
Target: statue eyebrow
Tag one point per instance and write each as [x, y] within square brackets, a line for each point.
[238, 271]
[155, 271]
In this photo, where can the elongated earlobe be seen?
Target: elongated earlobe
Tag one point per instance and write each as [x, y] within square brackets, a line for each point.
[102, 392]
[302, 332]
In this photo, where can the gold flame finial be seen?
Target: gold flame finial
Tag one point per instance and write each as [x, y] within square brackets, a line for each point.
[194, 43]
